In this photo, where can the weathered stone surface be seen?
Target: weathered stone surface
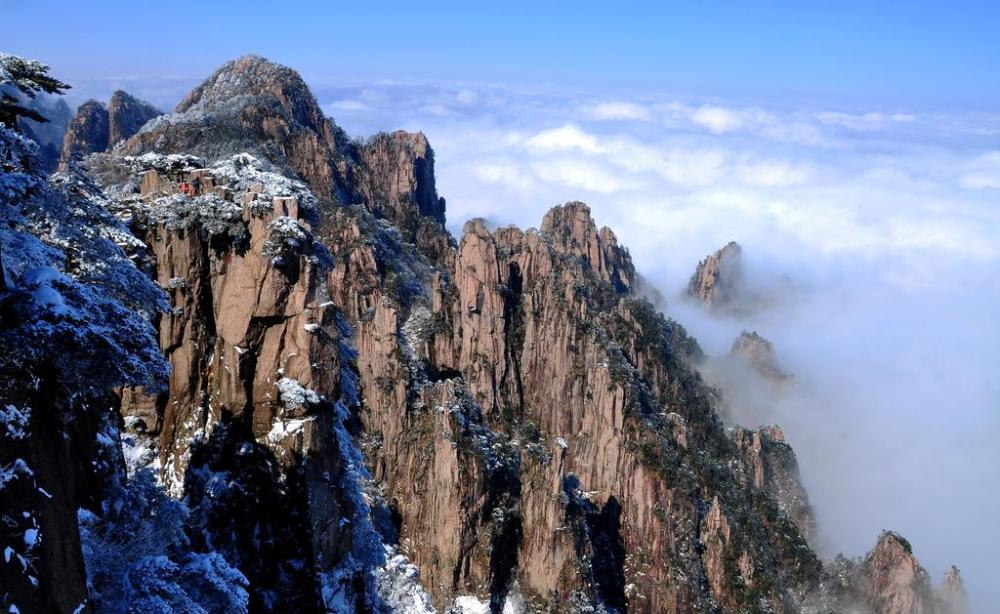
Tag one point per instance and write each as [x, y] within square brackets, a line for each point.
[396, 178]
[97, 128]
[247, 333]
[717, 279]
[258, 107]
[530, 421]
[126, 114]
[896, 583]
[759, 353]
[87, 132]
[576, 388]
[775, 469]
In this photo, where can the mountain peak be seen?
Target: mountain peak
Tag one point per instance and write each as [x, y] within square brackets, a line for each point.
[717, 278]
[258, 77]
[759, 352]
[126, 115]
[572, 230]
[897, 583]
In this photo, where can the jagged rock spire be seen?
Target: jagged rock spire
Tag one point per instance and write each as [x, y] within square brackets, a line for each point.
[87, 132]
[896, 582]
[126, 114]
[573, 231]
[717, 278]
[759, 352]
[98, 127]
[952, 597]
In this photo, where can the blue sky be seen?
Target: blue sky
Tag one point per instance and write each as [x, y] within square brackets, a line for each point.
[902, 54]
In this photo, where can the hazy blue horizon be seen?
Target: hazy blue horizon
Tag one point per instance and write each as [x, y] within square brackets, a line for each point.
[852, 54]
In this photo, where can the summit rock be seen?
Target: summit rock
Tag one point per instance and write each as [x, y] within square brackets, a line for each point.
[759, 353]
[717, 279]
[126, 114]
[97, 127]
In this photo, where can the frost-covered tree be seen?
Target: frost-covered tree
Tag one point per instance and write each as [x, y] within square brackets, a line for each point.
[74, 305]
[74, 324]
[138, 556]
[29, 77]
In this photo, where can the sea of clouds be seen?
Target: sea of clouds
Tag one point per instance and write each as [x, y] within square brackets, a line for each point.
[873, 235]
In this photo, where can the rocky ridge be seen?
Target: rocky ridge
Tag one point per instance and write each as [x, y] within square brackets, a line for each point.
[759, 353]
[717, 279]
[97, 127]
[370, 416]
[87, 131]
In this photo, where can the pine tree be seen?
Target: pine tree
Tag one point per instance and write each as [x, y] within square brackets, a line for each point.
[29, 77]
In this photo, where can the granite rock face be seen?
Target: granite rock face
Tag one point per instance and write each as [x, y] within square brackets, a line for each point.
[776, 470]
[558, 416]
[353, 391]
[258, 107]
[394, 176]
[126, 115]
[895, 581]
[759, 353]
[97, 127]
[87, 132]
[397, 178]
[257, 365]
[717, 279]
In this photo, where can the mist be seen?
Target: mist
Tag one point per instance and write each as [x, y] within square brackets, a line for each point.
[869, 233]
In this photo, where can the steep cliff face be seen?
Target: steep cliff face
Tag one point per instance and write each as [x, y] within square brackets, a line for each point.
[364, 415]
[97, 128]
[776, 470]
[126, 114]
[759, 353]
[717, 279]
[895, 581]
[397, 178]
[87, 131]
[250, 340]
[394, 177]
[556, 414]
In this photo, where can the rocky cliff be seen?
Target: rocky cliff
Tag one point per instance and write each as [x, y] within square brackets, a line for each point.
[363, 414]
[776, 470]
[98, 128]
[87, 131]
[254, 106]
[126, 114]
[718, 278]
[759, 354]
[896, 583]
[560, 415]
